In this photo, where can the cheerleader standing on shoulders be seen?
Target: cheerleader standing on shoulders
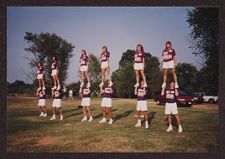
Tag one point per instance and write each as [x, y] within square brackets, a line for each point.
[86, 103]
[169, 63]
[106, 103]
[55, 73]
[40, 76]
[139, 64]
[56, 105]
[105, 65]
[84, 68]
[41, 103]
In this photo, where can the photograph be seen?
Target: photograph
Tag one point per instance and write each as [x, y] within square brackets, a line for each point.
[112, 79]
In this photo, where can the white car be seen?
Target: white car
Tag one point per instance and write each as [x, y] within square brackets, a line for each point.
[207, 98]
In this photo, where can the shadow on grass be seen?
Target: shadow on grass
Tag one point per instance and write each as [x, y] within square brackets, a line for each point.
[100, 114]
[123, 115]
[151, 116]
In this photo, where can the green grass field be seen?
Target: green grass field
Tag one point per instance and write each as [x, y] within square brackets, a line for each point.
[29, 133]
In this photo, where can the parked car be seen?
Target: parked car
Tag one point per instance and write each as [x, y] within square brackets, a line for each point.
[208, 98]
[198, 99]
[182, 99]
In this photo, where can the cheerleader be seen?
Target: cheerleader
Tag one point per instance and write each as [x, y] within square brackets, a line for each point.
[56, 105]
[139, 64]
[106, 103]
[169, 63]
[140, 92]
[105, 65]
[55, 73]
[84, 68]
[40, 76]
[41, 103]
[86, 103]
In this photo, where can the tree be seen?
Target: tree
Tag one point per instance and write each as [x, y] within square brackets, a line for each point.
[187, 76]
[204, 33]
[94, 71]
[124, 77]
[41, 47]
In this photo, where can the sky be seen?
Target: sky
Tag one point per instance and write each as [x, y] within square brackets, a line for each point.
[89, 28]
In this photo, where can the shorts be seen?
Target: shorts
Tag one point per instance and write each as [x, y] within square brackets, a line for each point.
[86, 102]
[104, 64]
[56, 103]
[138, 66]
[41, 102]
[54, 72]
[40, 76]
[171, 108]
[168, 64]
[142, 105]
[106, 102]
[83, 68]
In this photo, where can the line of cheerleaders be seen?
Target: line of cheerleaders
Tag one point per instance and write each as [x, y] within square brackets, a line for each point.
[169, 63]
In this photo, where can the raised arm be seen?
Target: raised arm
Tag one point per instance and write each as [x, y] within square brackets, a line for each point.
[135, 91]
[101, 90]
[144, 92]
[176, 92]
[163, 92]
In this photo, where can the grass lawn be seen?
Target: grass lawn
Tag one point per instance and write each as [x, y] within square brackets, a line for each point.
[29, 133]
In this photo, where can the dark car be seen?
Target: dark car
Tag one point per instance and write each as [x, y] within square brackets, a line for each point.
[197, 98]
[183, 99]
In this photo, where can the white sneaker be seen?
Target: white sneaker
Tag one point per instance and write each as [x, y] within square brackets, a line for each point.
[88, 85]
[61, 117]
[45, 115]
[146, 125]
[176, 85]
[170, 128]
[180, 129]
[41, 115]
[43, 88]
[136, 85]
[145, 84]
[101, 84]
[103, 120]
[90, 119]
[53, 88]
[53, 117]
[164, 85]
[82, 84]
[84, 118]
[138, 124]
[110, 83]
[58, 88]
[110, 122]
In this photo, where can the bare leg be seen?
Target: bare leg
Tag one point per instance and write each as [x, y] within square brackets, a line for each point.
[170, 119]
[39, 83]
[143, 75]
[89, 111]
[174, 74]
[103, 74]
[178, 119]
[44, 109]
[60, 111]
[57, 79]
[165, 75]
[138, 115]
[87, 76]
[110, 112]
[104, 112]
[146, 115]
[108, 72]
[54, 80]
[43, 82]
[84, 110]
[137, 76]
